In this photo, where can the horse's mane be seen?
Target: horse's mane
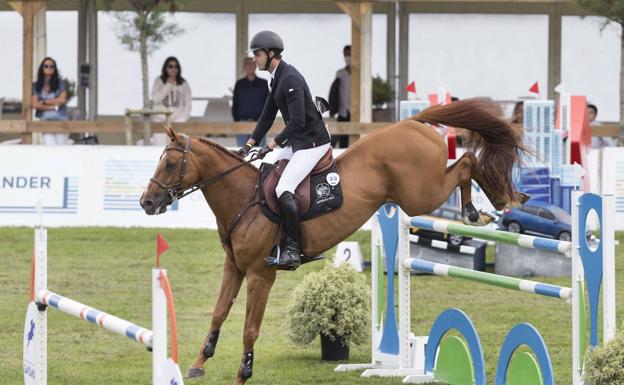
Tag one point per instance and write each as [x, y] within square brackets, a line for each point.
[224, 150]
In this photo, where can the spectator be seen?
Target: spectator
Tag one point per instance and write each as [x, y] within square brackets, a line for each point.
[171, 91]
[518, 113]
[598, 141]
[340, 97]
[48, 99]
[250, 93]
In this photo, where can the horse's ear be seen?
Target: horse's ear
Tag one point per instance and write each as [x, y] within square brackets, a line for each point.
[169, 130]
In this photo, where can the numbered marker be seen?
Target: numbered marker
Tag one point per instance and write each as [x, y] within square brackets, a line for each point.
[349, 252]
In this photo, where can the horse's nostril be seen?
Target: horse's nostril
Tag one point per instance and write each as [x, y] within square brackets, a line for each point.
[147, 204]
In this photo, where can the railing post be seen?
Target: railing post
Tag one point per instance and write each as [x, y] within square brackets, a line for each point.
[128, 127]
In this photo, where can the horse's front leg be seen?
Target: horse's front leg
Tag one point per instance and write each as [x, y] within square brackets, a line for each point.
[259, 283]
[230, 285]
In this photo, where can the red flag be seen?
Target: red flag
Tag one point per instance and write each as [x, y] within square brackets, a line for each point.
[161, 247]
[534, 88]
[411, 87]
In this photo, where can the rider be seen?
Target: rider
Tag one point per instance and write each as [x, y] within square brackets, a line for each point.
[303, 141]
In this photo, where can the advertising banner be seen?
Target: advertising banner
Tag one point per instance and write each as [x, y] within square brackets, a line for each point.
[102, 185]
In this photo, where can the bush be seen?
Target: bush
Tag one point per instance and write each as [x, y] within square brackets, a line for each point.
[333, 302]
[70, 89]
[382, 92]
[605, 364]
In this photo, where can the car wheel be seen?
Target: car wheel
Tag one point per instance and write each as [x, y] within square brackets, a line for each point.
[514, 227]
[564, 236]
[455, 240]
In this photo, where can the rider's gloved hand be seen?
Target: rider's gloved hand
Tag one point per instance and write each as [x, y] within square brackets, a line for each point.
[263, 151]
[244, 150]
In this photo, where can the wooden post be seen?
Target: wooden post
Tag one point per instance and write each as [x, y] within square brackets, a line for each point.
[33, 51]
[403, 50]
[391, 55]
[242, 38]
[92, 28]
[554, 50]
[81, 93]
[361, 46]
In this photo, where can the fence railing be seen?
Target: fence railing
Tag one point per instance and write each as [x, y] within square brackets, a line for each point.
[122, 126]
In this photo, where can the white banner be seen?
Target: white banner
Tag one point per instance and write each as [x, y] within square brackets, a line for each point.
[87, 186]
[613, 180]
[101, 186]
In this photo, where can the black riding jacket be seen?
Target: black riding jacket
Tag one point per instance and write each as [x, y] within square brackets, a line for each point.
[304, 125]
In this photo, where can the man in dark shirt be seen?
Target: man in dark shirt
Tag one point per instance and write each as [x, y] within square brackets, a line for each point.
[250, 93]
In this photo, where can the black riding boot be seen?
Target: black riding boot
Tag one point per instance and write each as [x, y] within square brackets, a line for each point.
[289, 257]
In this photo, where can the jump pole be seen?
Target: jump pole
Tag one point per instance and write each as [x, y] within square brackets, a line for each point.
[599, 261]
[165, 371]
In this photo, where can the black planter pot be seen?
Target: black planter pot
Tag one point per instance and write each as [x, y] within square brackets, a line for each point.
[333, 350]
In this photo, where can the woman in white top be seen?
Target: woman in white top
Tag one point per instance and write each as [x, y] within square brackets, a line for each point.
[171, 91]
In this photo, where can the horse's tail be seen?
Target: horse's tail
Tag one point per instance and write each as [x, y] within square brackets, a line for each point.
[496, 143]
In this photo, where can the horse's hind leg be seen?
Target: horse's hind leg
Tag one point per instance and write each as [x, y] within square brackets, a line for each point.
[259, 285]
[460, 174]
[230, 285]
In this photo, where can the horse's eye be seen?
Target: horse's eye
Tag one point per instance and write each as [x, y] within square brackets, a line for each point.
[170, 164]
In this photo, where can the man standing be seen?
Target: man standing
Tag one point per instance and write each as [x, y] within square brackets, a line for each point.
[303, 141]
[340, 97]
[598, 141]
[250, 93]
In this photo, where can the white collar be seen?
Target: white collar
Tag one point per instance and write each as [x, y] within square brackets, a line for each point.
[275, 70]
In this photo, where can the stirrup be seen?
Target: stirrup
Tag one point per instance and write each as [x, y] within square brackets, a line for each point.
[273, 261]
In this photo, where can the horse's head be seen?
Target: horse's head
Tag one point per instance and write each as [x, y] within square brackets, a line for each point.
[175, 172]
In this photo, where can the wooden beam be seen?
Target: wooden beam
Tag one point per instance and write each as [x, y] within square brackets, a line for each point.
[117, 125]
[18, 5]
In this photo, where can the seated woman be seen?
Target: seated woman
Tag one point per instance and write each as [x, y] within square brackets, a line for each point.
[48, 99]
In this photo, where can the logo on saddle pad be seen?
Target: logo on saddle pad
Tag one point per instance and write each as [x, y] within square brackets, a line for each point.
[322, 190]
[333, 178]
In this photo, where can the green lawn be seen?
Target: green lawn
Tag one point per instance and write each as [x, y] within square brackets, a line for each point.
[109, 268]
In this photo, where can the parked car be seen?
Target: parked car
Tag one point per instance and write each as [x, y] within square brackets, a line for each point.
[447, 213]
[539, 218]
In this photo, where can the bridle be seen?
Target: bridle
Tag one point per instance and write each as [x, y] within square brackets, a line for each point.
[177, 191]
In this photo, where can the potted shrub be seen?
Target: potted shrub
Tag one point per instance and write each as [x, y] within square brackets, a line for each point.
[383, 94]
[604, 365]
[333, 303]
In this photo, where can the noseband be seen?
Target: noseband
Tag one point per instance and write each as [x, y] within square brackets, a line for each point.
[177, 191]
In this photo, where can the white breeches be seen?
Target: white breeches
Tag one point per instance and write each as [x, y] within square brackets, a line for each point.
[299, 166]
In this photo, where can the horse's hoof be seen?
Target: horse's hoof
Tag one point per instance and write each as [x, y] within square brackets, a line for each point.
[195, 373]
[484, 219]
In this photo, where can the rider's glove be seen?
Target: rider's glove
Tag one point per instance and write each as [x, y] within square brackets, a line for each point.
[244, 150]
[265, 150]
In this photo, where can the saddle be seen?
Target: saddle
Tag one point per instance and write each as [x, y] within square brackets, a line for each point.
[318, 193]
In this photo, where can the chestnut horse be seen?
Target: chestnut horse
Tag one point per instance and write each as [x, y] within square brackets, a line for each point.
[404, 163]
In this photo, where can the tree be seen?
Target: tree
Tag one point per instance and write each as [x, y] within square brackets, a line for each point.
[613, 11]
[144, 30]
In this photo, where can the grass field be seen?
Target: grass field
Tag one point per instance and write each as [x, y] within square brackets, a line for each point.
[109, 268]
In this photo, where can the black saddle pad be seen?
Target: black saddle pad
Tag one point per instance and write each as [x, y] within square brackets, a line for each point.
[325, 194]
